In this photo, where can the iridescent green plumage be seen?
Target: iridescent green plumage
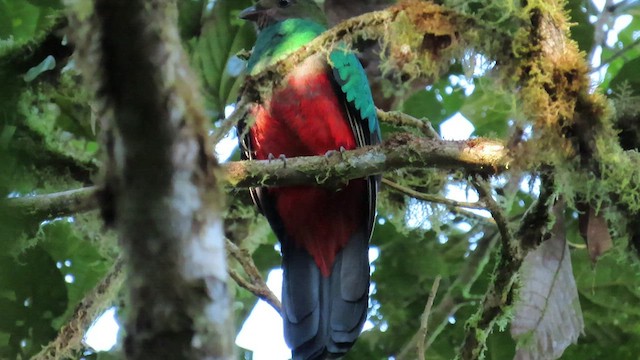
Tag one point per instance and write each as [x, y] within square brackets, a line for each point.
[279, 40]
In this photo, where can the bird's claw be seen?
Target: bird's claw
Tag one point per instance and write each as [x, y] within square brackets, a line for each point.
[282, 157]
[342, 151]
[330, 153]
[284, 160]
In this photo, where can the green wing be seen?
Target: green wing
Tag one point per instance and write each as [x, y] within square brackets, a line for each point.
[354, 84]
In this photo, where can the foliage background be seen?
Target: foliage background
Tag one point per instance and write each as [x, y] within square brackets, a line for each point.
[48, 143]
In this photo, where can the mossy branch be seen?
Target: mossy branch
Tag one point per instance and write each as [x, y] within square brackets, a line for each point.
[478, 155]
[495, 301]
[500, 294]
[69, 339]
[429, 53]
[401, 151]
[428, 19]
[49, 206]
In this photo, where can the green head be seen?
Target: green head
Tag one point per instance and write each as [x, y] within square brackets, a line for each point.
[269, 12]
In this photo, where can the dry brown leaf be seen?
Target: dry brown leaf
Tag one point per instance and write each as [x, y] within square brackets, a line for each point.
[547, 315]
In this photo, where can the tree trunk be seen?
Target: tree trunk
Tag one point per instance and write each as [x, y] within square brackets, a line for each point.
[161, 190]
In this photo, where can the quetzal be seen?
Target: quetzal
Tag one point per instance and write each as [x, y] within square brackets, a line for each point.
[324, 104]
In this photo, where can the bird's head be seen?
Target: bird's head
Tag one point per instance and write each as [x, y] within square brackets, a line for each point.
[268, 12]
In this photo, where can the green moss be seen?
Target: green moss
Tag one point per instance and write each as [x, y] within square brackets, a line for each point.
[419, 43]
[61, 116]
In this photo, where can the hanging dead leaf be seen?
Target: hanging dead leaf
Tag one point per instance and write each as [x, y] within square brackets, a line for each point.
[547, 316]
[595, 231]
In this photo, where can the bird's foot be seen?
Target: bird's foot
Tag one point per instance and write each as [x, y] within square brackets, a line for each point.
[282, 157]
[342, 151]
[330, 153]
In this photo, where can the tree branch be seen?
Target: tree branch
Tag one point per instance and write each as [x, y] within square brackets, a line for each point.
[424, 320]
[481, 324]
[497, 213]
[499, 295]
[400, 119]
[432, 198]
[444, 27]
[475, 155]
[457, 294]
[69, 339]
[49, 206]
[256, 284]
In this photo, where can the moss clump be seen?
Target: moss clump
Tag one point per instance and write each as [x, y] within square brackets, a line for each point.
[420, 42]
[60, 114]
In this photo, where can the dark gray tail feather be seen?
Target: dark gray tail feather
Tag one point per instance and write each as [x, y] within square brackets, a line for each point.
[324, 316]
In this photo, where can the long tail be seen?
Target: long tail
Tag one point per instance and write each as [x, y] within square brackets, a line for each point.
[323, 316]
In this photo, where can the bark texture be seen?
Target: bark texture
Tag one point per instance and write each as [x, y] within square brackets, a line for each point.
[161, 191]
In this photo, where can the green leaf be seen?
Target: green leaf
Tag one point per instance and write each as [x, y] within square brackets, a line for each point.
[57, 4]
[629, 74]
[189, 18]
[583, 31]
[21, 21]
[437, 103]
[488, 109]
[18, 19]
[425, 104]
[78, 260]
[32, 294]
[623, 52]
[6, 134]
[223, 35]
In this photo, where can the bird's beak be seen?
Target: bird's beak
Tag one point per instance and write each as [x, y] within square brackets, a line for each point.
[250, 13]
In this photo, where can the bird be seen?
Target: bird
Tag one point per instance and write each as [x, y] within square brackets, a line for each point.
[323, 105]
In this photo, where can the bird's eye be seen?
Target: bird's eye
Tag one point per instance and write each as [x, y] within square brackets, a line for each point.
[284, 3]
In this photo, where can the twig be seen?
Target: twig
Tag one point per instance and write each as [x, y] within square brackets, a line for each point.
[500, 291]
[496, 212]
[228, 123]
[457, 294]
[397, 118]
[432, 198]
[424, 321]
[55, 205]
[256, 283]
[618, 54]
[69, 339]
[601, 27]
[472, 215]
